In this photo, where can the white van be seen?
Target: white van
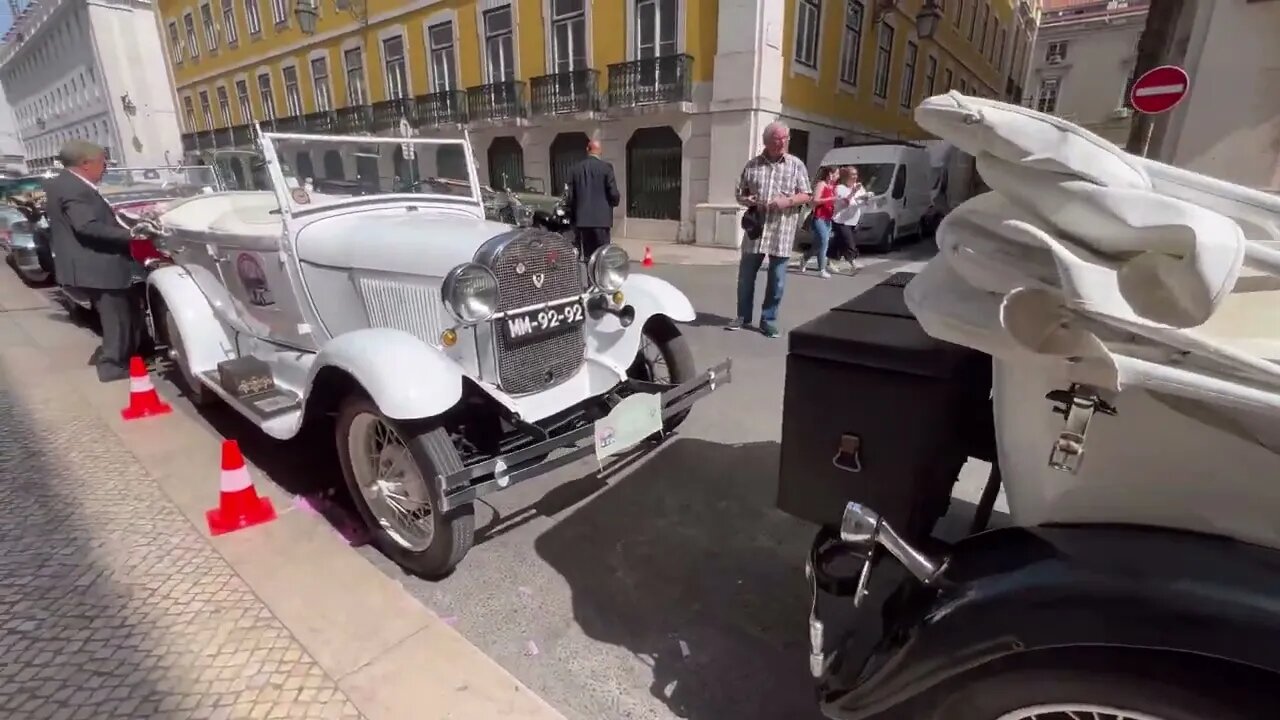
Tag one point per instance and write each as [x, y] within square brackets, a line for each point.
[900, 178]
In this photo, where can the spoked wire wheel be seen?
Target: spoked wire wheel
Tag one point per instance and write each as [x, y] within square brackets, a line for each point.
[390, 482]
[1074, 711]
[651, 363]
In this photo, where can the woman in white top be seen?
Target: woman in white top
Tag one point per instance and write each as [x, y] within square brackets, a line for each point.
[850, 198]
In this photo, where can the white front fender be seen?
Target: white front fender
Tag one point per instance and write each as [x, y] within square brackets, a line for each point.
[406, 378]
[650, 296]
[205, 339]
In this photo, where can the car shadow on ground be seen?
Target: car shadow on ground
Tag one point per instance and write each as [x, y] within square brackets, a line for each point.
[687, 564]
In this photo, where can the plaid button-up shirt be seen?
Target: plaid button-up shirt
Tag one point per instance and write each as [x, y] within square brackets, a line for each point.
[766, 179]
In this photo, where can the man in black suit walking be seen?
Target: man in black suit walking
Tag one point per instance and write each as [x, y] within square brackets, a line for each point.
[91, 251]
[593, 194]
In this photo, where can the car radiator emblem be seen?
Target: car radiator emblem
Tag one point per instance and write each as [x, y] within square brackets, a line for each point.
[520, 268]
[538, 279]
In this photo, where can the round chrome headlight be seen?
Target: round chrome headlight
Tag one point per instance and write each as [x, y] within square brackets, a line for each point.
[609, 267]
[470, 293]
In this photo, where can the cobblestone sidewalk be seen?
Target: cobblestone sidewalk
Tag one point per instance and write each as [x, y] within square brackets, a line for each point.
[111, 604]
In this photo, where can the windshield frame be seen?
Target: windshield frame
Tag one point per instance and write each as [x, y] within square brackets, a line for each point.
[280, 170]
[113, 190]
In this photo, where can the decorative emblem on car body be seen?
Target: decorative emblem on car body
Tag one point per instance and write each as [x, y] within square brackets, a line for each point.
[553, 257]
[520, 268]
[538, 279]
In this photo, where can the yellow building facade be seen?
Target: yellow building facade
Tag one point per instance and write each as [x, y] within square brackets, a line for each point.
[533, 80]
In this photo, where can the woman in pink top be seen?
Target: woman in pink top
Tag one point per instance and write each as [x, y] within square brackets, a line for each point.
[824, 198]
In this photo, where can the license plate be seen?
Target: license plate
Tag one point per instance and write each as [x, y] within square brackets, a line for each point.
[544, 321]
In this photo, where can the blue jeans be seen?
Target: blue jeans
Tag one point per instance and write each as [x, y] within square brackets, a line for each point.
[748, 267]
[821, 240]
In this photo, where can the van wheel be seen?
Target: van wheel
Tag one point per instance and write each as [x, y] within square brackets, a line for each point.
[886, 242]
[195, 391]
[390, 468]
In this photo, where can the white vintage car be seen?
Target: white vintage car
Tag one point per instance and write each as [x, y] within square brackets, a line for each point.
[459, 355]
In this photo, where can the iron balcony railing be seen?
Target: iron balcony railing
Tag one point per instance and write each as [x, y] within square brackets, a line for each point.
[445, 107]
[575, 91]
[663, 79]
[387, 115]
[496, 101]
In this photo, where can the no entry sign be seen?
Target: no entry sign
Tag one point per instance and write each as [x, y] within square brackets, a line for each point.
[1159, 89]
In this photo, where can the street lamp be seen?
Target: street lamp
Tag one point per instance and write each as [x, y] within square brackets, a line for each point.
[927, 19]
[126, 102]
[308, 12]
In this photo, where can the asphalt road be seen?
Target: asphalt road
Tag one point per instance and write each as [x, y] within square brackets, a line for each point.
[669, 587]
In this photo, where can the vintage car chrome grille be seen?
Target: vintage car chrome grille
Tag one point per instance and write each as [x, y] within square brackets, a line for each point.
[537, 267]
[403, 305]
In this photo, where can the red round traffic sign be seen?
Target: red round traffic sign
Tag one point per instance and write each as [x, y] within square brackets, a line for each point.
[1159, 89]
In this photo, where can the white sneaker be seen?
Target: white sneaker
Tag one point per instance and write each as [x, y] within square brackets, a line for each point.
[824, 275]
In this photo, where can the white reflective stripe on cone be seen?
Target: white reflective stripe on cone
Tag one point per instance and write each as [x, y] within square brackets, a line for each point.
[236, 480]
[141, 384]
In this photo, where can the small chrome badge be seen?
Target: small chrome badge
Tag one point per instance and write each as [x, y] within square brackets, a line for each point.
[520, 268]
[538, 279]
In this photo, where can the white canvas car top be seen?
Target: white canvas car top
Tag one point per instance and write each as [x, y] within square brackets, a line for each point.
[1115, 270]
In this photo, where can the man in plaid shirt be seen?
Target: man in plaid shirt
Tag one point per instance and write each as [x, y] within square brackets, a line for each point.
[776, 184]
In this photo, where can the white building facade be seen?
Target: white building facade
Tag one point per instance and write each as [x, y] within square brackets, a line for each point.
[90, 70]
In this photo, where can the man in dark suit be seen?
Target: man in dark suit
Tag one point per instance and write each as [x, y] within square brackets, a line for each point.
[593, 194]
[91, 251]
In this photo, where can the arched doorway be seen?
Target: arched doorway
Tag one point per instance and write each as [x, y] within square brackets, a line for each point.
[506, 163]
[333, 169]
[404, 168]
[655, 160]
[451, 162]
[567, 150]
[367, 172]
[305, 169]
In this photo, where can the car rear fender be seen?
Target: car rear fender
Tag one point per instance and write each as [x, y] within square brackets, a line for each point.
[651, 297]
[406, 378]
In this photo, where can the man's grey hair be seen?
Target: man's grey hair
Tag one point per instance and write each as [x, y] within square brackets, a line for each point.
[773, 127]
[77, 152]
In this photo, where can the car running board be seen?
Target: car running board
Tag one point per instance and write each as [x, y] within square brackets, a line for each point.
[261, 407]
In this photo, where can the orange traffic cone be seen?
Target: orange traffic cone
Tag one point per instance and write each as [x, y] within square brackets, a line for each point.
[648, 257]
[239, 505]
[143, 400]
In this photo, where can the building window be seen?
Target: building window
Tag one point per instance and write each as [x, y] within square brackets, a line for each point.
[266, 97]
[224, 106]
[654, 174]
[279, 12]
[851, 47]
[799, 145]
[930, 76]
[1000, 39]
[393, 64]
[1057, 52]
[808, 14]
[499, 45]
[242, 97]
[444, 62]
[973, 21]
[175, 44]
[229, 22]
[568, 35]
[986, 25]
[948, 80]
[252, 16]
[205, 111]
[958, 18]
[193, 45]
[884, 58]
[353, 61]
[1047, 95]
[909, 75]
[210, 30]
[655, 28]
[189, 111]
[964, 87]
[292, 96]
[320, 84]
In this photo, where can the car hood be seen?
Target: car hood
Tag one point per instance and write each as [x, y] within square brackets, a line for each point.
[423, 242]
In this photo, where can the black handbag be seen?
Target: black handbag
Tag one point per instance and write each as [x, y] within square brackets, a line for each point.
[753, 222]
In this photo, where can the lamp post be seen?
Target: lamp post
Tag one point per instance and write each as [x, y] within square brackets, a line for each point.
[927, 19]
[126, 103]
[307, 12]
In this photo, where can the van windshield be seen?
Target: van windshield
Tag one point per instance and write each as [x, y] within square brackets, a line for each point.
[876, 177]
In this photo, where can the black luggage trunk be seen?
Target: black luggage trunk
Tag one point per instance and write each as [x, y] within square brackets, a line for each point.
[877, 412]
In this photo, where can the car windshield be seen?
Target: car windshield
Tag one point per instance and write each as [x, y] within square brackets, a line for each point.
[875, 177]
[336, 169]
[31, 183]
[175, 180]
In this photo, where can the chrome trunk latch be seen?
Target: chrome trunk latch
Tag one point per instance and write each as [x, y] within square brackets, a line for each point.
[1077, 404]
